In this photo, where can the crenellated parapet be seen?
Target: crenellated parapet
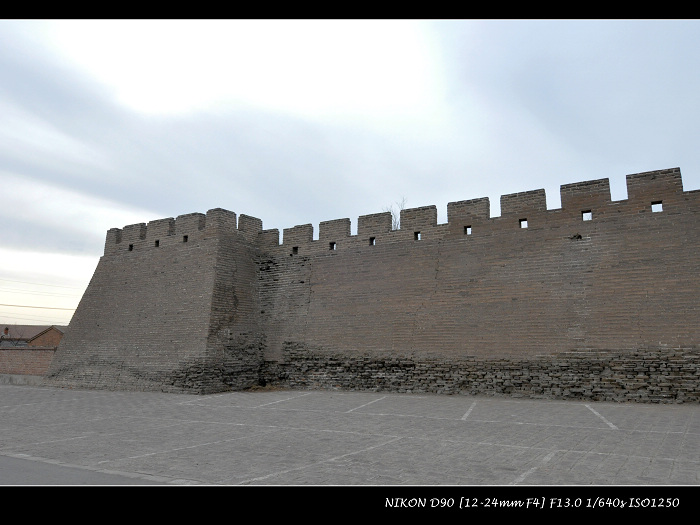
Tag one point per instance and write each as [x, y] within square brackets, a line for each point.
[580, 201]
[186, 228]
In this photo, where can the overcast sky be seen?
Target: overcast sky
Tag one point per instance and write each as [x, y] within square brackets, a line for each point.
[110, 123]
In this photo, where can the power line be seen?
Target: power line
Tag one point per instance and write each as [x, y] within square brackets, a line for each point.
[23, 292]
[33, 319]
[41, 284]
[40, 307]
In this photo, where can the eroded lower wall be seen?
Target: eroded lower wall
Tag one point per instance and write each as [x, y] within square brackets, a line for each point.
[651, 375]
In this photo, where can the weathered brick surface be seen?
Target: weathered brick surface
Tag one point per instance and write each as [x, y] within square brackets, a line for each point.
[656, 375]
[171, 317]
[232, 306]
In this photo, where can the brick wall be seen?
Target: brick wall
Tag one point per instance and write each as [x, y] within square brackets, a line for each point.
[51, 338]
[167, 309]
[625, 278]
[26, 361]
[654, 375]
[505, 292]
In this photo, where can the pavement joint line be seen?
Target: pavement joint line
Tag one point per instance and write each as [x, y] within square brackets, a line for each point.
[589, 407]
[91, 434]
[272, 427]
[291, 398]
[179, 421]
[210, 396]
[102, 434]
[509, 422]
[237, 438]
[466, 415]
[544, 461]
[70, 423]
[202, 404]
[327, 460]
[394, 438]
[20, 405]
[573, 451]
[366, 404]
[133, 475]
[242, 407]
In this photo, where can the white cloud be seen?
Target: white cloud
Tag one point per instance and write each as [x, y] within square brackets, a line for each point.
[319, 69]
[30, 138]
[44, 204]
[302, 121]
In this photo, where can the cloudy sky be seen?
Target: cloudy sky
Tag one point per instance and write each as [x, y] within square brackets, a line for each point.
[109, 123]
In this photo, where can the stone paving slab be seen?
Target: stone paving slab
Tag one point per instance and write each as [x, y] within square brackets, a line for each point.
[330, 438]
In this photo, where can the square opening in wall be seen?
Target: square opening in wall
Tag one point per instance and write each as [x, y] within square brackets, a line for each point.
[467, 230]
[332, 246]
[587, 215]
[372, 241]
[131, 247]
[185, 238]
[416, 236]
[295, 250]
[523, 223]
[656, 206]
[157, 243]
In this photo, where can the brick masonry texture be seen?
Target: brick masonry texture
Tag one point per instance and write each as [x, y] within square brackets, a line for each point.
[598, 299]
[26, 361]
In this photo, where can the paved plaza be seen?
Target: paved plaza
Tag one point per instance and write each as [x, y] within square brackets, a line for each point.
[52, 436]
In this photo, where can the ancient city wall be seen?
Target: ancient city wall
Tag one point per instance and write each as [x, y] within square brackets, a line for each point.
[533, 289]
[168, 308]
[487, 286]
